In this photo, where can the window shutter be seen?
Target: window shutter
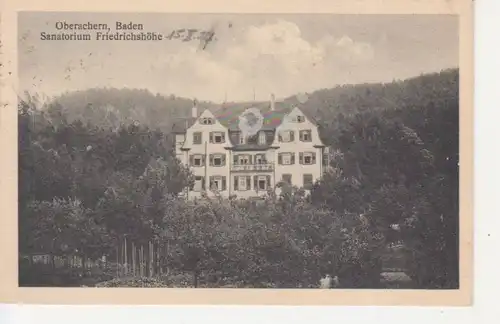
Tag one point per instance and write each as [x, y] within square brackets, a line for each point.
[293, 158]
[235, 159]
[223, 160]
[223, 183]
[235, 183]
[249, 182]
[210, 182]
[191, 160]
[314, 158]
[211, 159]
[203, 183]
[211, 137]
[301, 158]
[255, 183]
[223, 138]
[280, 159]
[268, 181]
[249, 159]
[292, 136]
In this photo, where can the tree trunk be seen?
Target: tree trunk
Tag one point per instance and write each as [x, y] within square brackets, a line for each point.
[125, 259]
[195, 278]
[133, 260]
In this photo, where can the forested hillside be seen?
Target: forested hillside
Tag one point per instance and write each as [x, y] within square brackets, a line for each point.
[112, 107]
[85, 186]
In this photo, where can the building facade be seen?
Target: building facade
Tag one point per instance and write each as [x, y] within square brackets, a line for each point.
[287, 148]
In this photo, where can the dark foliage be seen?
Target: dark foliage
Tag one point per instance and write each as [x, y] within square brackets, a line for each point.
[97, 166]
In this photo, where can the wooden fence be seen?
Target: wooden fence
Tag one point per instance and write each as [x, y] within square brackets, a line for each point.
[139, 260]
[128, 260]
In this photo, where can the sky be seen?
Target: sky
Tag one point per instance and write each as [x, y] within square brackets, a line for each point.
[251, 56]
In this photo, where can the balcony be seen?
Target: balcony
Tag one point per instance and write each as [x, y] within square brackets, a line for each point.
[252, 167]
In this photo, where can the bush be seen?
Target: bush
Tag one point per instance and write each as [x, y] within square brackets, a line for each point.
[133, 282]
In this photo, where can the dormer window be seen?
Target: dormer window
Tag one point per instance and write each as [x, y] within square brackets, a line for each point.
[207, 121]
[242, 139]
[262, 138]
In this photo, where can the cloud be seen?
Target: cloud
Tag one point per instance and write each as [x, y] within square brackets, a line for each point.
[277, 58]
[272, 58]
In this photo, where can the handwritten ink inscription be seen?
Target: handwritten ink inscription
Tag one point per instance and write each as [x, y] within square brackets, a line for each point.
[187, 35]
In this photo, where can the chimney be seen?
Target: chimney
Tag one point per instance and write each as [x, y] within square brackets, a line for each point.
[272, 101]
[194, 110]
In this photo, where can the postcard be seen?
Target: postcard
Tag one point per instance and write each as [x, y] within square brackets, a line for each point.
[270, 153]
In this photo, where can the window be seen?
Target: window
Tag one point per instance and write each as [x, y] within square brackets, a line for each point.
[207, 121]
[242, 139]
[326, 160]
[286, 158]
[197, 160]
[242, 159]
[286, 136]
[261, 182]
[218, 183]
[297, 119]
[179, 140]
[307, 158]
[242, 183]
[308, 181]
[305, 135]
[217, 160]
[262, 138]
[197, 138]
[287, 178]
[217, 137]
[260, 159]
[199, 184]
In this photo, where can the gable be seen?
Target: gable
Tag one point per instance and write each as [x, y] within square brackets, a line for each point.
[228, 115]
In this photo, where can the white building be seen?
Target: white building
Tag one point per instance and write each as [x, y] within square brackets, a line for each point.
[287, 148]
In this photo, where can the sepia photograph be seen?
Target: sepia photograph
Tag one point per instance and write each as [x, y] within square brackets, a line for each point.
[251, 151]
[245, 151]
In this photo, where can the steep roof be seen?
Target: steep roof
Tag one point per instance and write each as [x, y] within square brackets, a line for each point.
[180, 126]
[228, 115]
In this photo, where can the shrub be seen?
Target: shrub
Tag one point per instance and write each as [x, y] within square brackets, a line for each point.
[133, 282]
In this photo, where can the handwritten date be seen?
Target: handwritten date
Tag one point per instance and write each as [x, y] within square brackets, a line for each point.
[187, 35]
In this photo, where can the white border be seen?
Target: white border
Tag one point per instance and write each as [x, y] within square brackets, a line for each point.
[487, 215]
